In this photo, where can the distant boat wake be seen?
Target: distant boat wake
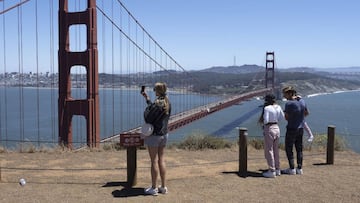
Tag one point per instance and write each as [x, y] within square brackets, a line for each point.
[236, 123]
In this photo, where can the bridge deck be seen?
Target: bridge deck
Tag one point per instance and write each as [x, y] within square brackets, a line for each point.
[178, 120]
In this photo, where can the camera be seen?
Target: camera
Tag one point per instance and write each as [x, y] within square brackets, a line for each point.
[142, 89]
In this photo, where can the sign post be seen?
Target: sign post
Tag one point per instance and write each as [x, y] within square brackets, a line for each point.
[131, 141]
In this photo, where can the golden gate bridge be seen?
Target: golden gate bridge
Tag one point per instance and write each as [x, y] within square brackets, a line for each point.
[71, 44]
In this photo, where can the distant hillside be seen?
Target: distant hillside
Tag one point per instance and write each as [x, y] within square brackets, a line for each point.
[339, 70]
[234, 69]
[307, 80]
[255, 68]
[238, 79]
[345, 73]
[311, 83]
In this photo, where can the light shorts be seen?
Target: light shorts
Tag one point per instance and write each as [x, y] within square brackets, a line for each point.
[156, 141]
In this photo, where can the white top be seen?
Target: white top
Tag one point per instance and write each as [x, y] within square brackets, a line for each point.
[273, 114]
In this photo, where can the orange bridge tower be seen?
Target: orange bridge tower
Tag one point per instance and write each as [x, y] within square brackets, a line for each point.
[269, 72]
[67, 106]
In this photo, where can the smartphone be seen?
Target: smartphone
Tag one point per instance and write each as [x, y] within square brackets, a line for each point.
[142, 89]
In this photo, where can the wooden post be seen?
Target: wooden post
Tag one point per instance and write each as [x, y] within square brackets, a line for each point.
[131, 141]
[330, 145]
[131, 166]
[243, 152]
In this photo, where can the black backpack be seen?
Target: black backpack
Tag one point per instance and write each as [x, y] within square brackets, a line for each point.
[154, 113]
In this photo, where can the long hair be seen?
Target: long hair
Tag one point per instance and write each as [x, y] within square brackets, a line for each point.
[269, 100]
[160, 88]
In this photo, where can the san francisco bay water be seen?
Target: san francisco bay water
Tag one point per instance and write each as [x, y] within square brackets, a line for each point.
[338, 109]
[34, 118]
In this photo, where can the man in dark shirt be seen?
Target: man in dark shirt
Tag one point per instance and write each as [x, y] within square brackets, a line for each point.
[294, 114]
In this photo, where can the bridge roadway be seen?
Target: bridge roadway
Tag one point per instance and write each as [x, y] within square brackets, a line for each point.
[178, 120]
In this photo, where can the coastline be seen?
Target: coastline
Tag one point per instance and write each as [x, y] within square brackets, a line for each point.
[335, 92]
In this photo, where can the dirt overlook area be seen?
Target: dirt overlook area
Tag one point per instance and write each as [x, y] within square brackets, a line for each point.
[193, 176]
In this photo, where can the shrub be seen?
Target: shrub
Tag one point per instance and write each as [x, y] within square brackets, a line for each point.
[257, 143]
[2, 149]
[112, 146]
[320, 141]
[27, 147]
[200, 142]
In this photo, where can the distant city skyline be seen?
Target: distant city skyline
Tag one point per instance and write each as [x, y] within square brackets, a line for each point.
[204, 33]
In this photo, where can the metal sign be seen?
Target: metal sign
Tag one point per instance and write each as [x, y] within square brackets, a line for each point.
[131, 140]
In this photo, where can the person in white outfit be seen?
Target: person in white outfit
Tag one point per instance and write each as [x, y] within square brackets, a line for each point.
[271, 115]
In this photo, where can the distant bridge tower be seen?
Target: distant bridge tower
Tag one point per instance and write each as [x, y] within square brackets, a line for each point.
[67, 106]
[269, 72]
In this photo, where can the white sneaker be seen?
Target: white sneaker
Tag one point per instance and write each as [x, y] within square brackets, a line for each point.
[277, 172]
[289, 171]
[269, 174]
[299, 171]
[151, 191]
[163, 190]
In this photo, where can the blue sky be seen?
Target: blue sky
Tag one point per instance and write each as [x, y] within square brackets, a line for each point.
[200, 34]
[204, 33]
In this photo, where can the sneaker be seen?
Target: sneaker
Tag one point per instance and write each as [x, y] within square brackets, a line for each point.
[289, 171]
[163, 190]
[277, 172]
[299, 171]
[151, 191]
[269, 174]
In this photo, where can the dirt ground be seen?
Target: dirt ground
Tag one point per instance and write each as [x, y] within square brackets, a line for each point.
[193, 176]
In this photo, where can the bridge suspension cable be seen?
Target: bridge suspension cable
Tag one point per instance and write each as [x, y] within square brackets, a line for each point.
[140, 54]
[23, 58]
[136, 44]
[132, 16]
[12, 7]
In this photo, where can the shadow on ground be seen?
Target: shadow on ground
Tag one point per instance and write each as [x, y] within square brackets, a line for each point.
[321, 164]
[254, 174]
[125, 191]
[128, 192]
